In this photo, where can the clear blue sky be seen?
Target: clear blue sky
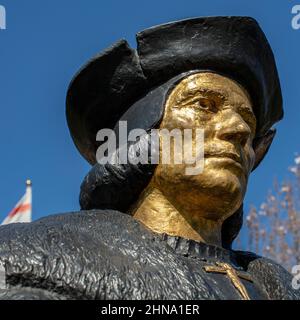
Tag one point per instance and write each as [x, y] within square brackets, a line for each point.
[47, 41]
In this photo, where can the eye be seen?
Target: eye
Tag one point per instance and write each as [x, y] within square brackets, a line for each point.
[207, 104]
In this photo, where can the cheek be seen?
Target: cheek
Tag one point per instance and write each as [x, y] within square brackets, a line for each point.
[181, 118]
[189, 118]
[169, 175]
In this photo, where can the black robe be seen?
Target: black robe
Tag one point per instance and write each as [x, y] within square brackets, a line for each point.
[109, 255]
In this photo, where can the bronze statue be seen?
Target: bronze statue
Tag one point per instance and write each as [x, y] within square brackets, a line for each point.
[150, 231]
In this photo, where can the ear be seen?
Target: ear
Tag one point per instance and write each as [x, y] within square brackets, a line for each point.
[261, 146]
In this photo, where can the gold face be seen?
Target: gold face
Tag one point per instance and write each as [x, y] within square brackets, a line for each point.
[195, 206]
[223, 109]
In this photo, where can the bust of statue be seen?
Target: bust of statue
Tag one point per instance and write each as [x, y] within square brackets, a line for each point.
[151, 231]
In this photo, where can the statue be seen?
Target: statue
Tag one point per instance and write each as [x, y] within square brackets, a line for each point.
[150, 231]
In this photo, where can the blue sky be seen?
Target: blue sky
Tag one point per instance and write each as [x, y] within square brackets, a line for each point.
[47, 41]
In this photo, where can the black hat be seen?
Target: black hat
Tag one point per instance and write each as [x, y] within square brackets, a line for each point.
[107, 86]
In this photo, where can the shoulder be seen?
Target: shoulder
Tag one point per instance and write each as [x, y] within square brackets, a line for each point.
[62, 252]
[55, 229]
[276, 280]
[70, 233]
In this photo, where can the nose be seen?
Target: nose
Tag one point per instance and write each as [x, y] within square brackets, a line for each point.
[233, 128]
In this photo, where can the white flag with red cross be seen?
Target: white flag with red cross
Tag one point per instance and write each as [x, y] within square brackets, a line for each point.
[22, 211]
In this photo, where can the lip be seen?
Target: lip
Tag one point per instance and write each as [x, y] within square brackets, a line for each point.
[224, 155]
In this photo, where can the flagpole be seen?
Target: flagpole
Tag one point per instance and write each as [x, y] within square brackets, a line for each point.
[29, 196]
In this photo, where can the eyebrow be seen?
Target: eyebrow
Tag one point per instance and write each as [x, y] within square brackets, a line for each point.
[245, 108]
[195, 93]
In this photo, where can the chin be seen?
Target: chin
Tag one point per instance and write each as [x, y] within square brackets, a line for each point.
[219, 193]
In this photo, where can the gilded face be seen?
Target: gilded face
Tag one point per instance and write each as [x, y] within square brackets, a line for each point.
[223, 109]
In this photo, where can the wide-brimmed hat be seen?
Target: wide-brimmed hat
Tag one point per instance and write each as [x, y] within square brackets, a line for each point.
[109, 84]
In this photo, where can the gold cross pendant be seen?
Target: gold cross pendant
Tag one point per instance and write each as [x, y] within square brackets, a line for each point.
[234, 276]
